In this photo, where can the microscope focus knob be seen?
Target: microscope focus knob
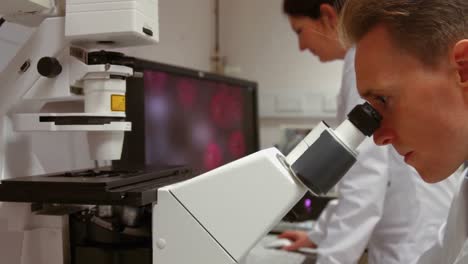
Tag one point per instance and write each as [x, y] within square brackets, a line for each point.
[49, 67]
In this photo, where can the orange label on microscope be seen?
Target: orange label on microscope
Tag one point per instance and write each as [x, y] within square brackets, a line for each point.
[118, 103]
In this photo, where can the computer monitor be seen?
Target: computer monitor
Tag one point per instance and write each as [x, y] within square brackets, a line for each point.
[187, 117]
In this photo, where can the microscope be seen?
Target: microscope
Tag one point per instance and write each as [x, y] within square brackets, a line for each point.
[192, 220]
[199, 220]
[67, 60]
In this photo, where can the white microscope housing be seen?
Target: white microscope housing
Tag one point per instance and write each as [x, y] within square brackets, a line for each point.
[219, 216]
[40, 87]
[55, 66]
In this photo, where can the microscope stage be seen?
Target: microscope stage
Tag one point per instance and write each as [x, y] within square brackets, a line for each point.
[105, 187]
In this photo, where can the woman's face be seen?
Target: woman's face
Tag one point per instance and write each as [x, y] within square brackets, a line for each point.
[318, 37]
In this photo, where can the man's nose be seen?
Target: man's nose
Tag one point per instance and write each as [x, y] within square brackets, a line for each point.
[384, 136]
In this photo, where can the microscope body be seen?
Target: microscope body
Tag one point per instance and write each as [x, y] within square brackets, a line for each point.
[219, 216]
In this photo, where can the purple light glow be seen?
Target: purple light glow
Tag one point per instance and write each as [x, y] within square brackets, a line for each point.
[307, 203]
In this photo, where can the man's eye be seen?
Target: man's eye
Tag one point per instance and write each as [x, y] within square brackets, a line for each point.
[382, 99]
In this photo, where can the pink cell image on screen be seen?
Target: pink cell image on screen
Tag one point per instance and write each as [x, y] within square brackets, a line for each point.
[227, 108]
[202, 133]
[212, 157]
[235, 106]
[186, 93]
[156, 82]
[237, 146]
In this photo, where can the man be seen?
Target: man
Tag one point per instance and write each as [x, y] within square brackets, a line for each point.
[381, 202]
[412, 66]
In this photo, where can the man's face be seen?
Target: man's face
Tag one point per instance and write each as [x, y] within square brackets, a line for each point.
[423, 108]
[315, 37]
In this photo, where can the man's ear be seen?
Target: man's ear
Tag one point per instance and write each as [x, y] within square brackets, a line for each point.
[460, 54]
[328, 16]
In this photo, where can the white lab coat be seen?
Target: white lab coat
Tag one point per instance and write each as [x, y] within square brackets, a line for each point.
[382, 205]
[451, 245]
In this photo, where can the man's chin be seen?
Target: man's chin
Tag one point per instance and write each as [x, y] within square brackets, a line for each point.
[430, 179]
[432, 175]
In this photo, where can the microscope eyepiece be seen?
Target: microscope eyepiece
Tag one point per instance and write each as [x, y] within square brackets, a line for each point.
[365, 118]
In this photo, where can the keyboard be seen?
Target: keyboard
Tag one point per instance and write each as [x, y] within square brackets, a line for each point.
[273, 256]
[300, 226]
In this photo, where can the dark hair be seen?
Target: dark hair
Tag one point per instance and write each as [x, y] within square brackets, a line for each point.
[309, 8]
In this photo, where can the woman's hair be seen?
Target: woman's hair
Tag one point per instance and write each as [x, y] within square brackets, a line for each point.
[424, 28]
[309, 8]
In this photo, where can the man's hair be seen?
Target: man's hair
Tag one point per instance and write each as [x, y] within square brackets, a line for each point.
[309, 8]
[423, 28]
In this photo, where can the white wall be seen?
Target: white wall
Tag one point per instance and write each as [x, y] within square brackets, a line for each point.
[259, 45]
[185, 32]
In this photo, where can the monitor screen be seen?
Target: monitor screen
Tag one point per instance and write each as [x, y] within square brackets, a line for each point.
[195, 119]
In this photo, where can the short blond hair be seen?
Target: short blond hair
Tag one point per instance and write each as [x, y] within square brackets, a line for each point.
[425, 28]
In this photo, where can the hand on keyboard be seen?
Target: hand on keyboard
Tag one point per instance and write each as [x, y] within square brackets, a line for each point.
[278, 243]
[262, 255]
